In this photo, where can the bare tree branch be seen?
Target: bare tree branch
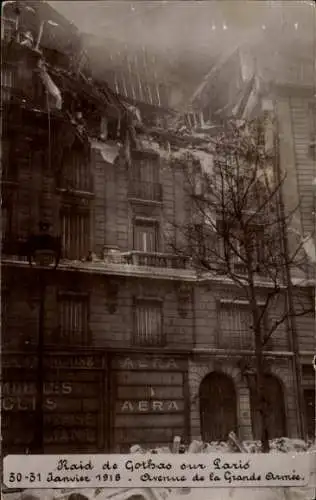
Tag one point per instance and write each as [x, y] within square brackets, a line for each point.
[236, 230]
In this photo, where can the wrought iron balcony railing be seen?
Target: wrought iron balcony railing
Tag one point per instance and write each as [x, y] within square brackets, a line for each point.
[150, 191]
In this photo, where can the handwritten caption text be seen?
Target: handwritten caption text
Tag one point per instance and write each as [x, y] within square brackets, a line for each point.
[162, 470]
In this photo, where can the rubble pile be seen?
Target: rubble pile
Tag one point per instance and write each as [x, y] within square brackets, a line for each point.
[279, 445]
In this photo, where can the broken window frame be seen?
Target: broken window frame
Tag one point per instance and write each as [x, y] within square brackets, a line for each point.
[76, 172]
[144, 179]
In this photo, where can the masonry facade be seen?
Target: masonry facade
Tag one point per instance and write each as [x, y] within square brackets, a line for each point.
[136, 349]
[296, 116]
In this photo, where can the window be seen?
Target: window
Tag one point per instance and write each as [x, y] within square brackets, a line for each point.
[202, 241]
[73, 317]
[7, 82]
[76, 172]
[309, 403]
[7, 217]
[146, 236]
[233, 242]
[145, 179]
[5, 307]
[5, 222]
[75, 229]
[9, 160]
[312, 128]
[7, 28]
[235, 326]
[148, 323]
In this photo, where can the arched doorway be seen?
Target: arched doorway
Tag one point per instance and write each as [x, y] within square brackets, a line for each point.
[274, 398]
[218, 407]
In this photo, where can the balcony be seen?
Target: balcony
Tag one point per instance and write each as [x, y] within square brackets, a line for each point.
[161, 260]
[146, 191]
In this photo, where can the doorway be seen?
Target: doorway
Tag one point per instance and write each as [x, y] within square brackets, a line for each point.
[218, 407]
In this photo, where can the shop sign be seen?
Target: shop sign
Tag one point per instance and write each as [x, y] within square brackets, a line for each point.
[52, 361]
[22, 396]
[149, 363]
[150, 406]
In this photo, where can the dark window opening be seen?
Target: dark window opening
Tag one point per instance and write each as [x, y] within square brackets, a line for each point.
[146, 236]
[75, 230]
[73, 315]
[148, 328]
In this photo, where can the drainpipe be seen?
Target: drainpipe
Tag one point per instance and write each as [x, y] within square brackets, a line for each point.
[193, 298]
[313, 260]
[290, 300]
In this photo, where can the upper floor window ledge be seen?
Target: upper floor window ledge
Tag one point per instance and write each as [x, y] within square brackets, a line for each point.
[75, 191]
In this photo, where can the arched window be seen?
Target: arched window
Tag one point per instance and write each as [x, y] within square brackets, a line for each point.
[218, 407]
[274, 398]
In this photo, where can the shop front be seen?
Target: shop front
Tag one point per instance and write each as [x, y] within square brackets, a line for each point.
[151, 400]
[75, 402]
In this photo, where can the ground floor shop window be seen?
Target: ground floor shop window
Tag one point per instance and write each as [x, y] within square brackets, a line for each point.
[218, 407]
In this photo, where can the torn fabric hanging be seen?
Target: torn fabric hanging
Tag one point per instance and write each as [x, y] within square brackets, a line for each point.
[109, 151]
[50, 86]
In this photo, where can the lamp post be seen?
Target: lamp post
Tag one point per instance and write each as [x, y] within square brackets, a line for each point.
[43, 251]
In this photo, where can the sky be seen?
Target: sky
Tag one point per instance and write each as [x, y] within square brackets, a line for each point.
[188, 36]
[192, 26]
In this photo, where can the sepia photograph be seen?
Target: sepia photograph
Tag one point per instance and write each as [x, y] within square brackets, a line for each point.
[158, 257]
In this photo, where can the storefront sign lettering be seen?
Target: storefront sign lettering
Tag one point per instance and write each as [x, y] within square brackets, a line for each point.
[10, 361]
[64, 435]
[150, 363]
[57, 436]
[18, 403]
[70, 419]
[29, 388]
[21, 396]
[149, 406]
[71, 362]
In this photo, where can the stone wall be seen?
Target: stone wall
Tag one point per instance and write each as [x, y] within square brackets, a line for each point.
[203, 365]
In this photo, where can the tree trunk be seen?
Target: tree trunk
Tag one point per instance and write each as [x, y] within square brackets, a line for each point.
[260, 373]
[265, 446]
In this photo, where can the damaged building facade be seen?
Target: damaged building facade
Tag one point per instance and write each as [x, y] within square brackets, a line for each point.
[132, 345]
[247, 83]
[93, 310]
